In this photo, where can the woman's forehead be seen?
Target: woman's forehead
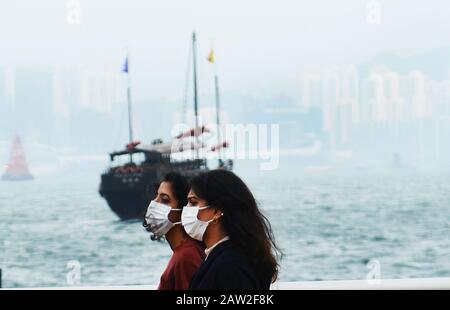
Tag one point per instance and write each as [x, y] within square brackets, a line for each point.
[192, 194]
[165, 188]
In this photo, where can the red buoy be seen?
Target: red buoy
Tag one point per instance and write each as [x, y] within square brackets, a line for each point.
[17, 168]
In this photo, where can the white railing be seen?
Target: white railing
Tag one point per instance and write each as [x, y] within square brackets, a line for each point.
[375, 284]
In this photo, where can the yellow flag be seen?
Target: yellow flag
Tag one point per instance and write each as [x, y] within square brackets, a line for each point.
[211, 57]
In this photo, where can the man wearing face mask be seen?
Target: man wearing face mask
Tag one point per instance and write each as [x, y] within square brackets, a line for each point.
[163, 220]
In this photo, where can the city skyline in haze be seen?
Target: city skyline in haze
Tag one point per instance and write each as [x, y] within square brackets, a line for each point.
[312, 68]
[261, 46]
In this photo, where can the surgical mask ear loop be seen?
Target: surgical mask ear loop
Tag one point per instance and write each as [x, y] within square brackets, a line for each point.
[172, 209]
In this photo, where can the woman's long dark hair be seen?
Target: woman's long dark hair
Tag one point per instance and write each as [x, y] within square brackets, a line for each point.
[180, 189]
[249, 230]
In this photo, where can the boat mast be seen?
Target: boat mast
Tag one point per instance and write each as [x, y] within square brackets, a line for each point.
[219, 139]
[194, 54]
[130, 116]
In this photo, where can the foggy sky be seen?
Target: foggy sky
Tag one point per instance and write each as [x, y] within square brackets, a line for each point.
[261, 46]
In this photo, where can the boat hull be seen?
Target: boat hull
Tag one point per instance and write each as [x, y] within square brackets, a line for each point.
[128, 195]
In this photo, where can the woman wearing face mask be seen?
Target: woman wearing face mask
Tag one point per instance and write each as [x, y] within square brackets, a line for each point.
[240, 248]
[163, 219]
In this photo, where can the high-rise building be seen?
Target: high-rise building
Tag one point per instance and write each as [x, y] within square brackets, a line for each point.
[6, 102]
[84, 102]
[99, 90]
[335, 90]
[421, 105]
[33, 108]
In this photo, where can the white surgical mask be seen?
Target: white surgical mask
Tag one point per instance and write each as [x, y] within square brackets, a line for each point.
[157, 218]
[194, 227]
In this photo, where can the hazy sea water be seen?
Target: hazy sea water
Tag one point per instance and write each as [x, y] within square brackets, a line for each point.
[330, 224]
